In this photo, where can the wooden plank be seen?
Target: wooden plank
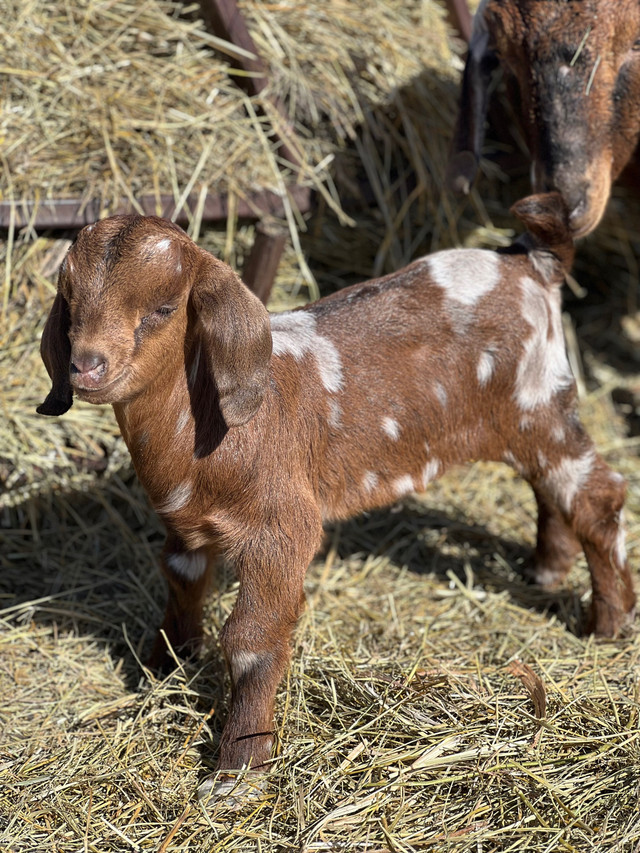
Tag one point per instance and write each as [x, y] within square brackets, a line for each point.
[71, 213]
[262, 263]
[460, 17]
[226, 21]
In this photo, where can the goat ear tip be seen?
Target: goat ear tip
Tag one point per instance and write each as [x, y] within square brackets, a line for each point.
[54, 406]
[461, 172]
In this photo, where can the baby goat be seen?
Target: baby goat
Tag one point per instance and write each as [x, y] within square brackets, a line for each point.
[249, 430]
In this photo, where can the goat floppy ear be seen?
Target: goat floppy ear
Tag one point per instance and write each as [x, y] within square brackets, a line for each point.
[236, 337]
[468, 135]
[55, 350]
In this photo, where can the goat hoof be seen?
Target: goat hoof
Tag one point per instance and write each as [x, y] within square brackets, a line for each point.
[232, 792]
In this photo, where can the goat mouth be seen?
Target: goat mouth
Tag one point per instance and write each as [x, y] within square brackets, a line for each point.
[101, 393]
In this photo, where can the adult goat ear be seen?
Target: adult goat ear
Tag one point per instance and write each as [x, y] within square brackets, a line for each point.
[235, 334]
[55, 350]
[468, 134]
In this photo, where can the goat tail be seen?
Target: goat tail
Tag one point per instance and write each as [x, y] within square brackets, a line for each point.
[546, 218]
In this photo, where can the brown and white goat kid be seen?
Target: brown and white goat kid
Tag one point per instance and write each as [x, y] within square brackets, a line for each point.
[576, 66]
[248, 430]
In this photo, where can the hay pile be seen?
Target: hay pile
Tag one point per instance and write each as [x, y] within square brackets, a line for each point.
[413, 716]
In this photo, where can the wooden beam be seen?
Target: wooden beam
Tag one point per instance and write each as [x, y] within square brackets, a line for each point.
[261, 265]
[460, 17]
[72, 213]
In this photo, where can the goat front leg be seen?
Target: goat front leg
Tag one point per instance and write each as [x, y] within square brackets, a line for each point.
[256, 641]
[188, 574]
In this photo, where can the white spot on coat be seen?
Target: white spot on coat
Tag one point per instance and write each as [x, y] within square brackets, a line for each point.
[486, 365]
[183, 420]
[391, 427]
[335, 414]
[369, 481]
[466, 275]
[621, 538]
[243, 662]
[569, 476]
[430, 472]
[190, 564]
[295, 333]
[544, 368]
[441, 394]
[403, 485]
[177, 499]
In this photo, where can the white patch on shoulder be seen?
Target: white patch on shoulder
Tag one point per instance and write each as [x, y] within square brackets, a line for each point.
[243, 662]
[466, 275]
[403, 485]
[164, 244]
[176, 499]
[430, 472]
[544, 368]
[569, 476]
[369, 481]
[558, 433]
[486, 366]
[391, 427]
[295, 333]
[188, 564]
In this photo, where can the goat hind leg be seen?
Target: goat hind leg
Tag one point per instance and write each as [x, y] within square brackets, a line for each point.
[556, 545]
[591, 497]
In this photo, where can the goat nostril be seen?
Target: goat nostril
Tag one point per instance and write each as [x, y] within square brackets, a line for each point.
[89, 363]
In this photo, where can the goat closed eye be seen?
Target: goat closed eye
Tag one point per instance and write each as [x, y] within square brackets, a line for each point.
[158, 314]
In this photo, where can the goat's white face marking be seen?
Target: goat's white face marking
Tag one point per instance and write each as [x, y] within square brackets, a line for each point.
[164, 244]
[486, 365]
[369, 481]
[557, 433]
[177, 499]
[465, 275]
[569, 476]
[544, 368]
[243, 662]
[190, 565]
[295, 333]
[391, 427]
[403, 485]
